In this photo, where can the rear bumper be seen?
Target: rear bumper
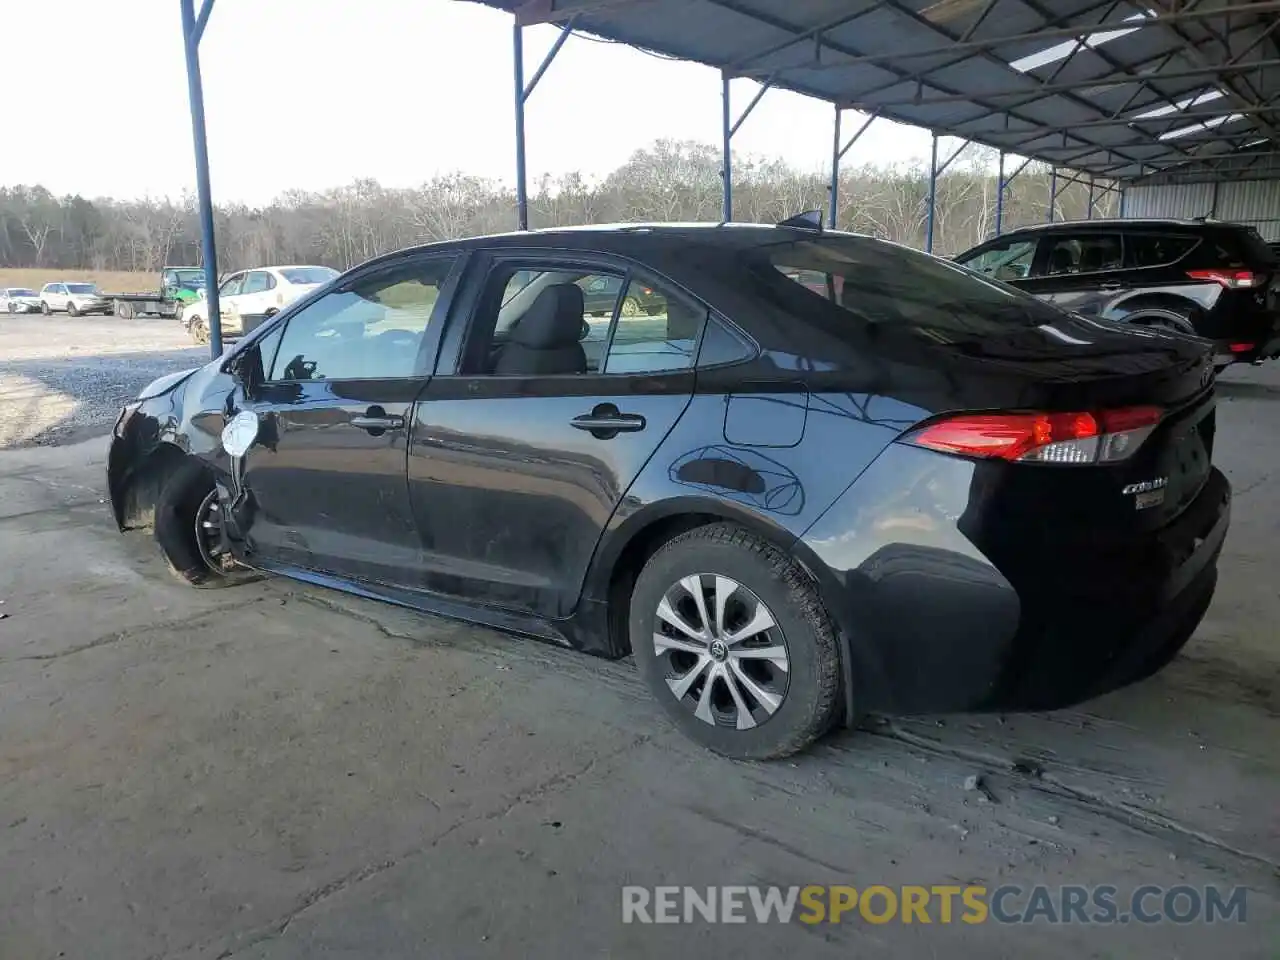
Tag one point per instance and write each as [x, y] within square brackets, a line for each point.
[934, 624]
[1267, 349]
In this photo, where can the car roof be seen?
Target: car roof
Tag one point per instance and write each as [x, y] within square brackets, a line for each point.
[1126, 223]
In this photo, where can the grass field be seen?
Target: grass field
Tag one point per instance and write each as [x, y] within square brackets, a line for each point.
[108, 281]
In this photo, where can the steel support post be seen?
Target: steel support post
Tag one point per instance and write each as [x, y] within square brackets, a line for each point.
[726, 165]
[1000, 194]
[522, 92]
[933, 196]
[1053, 191]
[192, 30]
[835, 173]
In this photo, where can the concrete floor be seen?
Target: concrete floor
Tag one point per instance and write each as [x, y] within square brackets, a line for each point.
[279, 771]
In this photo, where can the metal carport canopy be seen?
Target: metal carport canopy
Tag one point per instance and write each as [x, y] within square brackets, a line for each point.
[1164, 90]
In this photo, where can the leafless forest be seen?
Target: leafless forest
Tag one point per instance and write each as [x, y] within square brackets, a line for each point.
[667, 181]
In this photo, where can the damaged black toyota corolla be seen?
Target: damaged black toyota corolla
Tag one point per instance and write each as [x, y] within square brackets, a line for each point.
[820, 475]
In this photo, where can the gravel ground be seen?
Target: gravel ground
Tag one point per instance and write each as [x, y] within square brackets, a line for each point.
[63, 379]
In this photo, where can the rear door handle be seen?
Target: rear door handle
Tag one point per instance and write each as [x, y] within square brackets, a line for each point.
[619, 423]
[1111, 287]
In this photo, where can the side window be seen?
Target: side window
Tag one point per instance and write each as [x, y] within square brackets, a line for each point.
[268, 281]
[653, 334]
[1083, 254]
[231, 286]
[1005, 261]
[1155, 250]
[254, 282]
[542, 321]
[371, 330]
[721, 346]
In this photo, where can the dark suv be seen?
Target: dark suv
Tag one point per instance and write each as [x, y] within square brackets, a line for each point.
[1218, 280]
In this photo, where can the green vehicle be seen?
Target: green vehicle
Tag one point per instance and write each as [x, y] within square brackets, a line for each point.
[178, 287]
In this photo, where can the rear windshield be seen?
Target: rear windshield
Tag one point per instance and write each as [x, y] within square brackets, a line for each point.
[81, 288]
[883, 283]
[309, 274]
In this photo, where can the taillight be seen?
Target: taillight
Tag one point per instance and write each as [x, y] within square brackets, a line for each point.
[1062, 438]
[1228, 279]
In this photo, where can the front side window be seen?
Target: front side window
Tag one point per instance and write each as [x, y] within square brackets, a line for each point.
[231, 286]
[1005, 261]
[370, 330]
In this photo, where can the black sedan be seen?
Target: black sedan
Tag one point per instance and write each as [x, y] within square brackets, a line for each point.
[904, 488]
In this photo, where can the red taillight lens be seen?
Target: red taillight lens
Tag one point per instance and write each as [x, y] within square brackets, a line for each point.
[1064, 438]
[1241, 347]
[1228, 279]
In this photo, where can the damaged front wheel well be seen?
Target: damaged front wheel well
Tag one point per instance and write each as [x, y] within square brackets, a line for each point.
[145, 484]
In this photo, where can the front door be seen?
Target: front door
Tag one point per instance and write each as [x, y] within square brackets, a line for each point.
[327, 476]
[525, 443]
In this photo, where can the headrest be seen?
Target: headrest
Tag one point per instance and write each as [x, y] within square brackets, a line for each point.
[554, 320]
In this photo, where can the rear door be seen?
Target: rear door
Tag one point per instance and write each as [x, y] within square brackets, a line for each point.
[518, 460]
[1081, 272]
[327, 478]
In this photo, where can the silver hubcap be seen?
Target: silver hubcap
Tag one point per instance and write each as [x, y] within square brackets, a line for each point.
[725, 657]
[209, 532]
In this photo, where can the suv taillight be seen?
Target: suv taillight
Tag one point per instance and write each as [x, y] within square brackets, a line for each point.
[1229, 279]
[1060, 438]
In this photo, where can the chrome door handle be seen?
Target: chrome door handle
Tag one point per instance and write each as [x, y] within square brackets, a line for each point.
[378, 423]
[612, 423]
[1111, 287]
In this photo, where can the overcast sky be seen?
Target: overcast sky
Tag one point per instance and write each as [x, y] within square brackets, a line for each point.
[314, 93]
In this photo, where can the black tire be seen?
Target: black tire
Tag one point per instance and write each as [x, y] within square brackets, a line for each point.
[187, 498]
[811, 699]
[12, 308]
[631, 307]
[1173, 320]
[44, 308]
[175, 523]
[198, 330]
[124, 310]
[72, 310]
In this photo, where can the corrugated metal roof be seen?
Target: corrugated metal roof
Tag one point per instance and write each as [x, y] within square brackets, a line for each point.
[1118, 89]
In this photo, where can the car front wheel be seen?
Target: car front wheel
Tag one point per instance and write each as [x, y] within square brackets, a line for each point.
[188, 529]
[731, 637]
[72, 310]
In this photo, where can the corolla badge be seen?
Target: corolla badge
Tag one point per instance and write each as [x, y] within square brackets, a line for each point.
[238, 435]
[1147, 493]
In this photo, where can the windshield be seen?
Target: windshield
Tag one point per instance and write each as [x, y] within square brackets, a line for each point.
[883, 283]
[81, 288]
[20, 292]
[301, 275]
[190, 279]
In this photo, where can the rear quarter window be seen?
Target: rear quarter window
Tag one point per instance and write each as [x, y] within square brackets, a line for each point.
[1155, 249]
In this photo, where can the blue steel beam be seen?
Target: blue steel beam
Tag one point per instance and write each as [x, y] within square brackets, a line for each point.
[1002, 184]
[206, 8]
[728, 128]
[522, 95]
[195, 93]
[837, 154]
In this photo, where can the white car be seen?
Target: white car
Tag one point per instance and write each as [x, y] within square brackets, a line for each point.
[252, 295]
[19, 300]
[74, 298]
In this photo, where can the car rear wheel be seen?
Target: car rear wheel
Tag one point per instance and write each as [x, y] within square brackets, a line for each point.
[732, 639]
[631, 307]
[44, 308]
[13, 308]
[124, 310]
[198, 329]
